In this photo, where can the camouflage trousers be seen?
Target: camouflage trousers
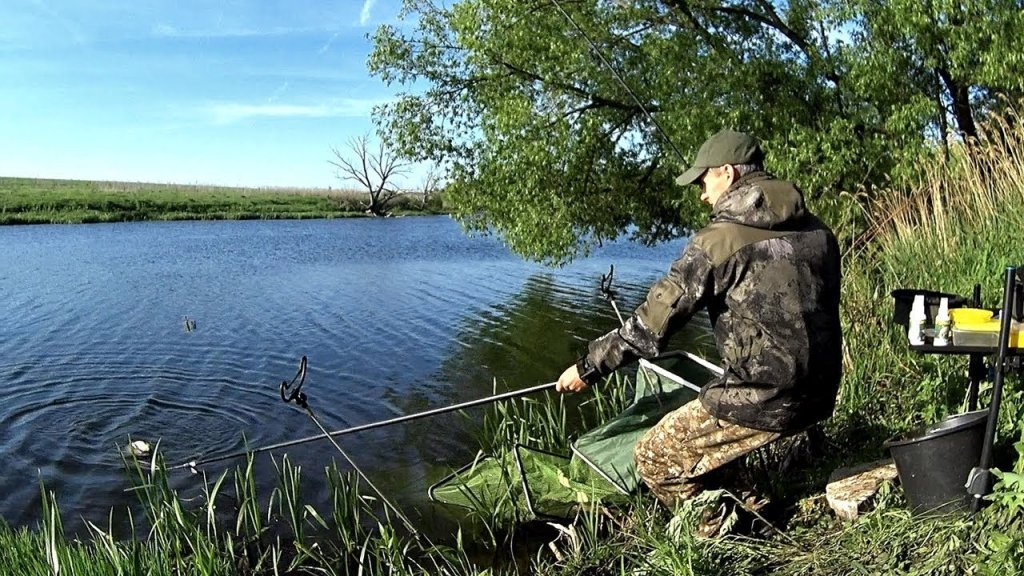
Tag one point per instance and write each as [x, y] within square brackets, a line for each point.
[680, 455]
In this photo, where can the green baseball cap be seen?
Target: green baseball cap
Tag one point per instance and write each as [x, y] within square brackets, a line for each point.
[725, 147]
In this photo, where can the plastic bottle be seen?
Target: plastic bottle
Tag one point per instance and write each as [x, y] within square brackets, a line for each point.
[942, 324]
[916, 324]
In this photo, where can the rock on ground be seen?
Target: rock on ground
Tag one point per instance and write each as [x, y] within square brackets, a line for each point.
[850, 490]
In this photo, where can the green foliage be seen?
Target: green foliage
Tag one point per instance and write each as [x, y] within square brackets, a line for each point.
[645, 538]
[887, 541]
[959, 225]
[542, 424]
[544, 146]
[1008, 492]
[1005, 554]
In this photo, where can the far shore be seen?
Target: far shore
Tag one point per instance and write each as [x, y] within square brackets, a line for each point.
[46, 201]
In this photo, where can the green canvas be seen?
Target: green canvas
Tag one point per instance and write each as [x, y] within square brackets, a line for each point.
[608, 449]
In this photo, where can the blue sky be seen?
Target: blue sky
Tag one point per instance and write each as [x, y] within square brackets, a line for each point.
[226, 92]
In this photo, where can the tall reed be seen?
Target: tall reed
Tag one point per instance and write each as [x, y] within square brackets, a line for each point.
[957, 226]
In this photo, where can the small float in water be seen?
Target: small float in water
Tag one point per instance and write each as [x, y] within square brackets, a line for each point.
[139, 448]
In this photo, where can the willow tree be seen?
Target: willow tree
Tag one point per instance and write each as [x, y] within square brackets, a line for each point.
[541, 110]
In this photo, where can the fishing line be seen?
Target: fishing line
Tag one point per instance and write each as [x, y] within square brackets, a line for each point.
[299, 397]
[622, 81]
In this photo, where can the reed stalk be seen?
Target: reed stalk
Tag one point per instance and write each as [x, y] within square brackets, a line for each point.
[957, 225]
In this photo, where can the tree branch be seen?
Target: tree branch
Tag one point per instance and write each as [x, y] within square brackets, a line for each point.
[770, 19]
[597, 100]
[374, 171]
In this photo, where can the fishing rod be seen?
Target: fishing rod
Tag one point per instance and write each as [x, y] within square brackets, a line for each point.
[609, 294]
[301, 400]
[192, 464]
[622, 81]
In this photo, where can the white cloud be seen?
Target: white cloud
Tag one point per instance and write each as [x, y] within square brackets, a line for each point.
[169, 31]
[231, 112]
[364, 14]
[165, 31]
[327, 45]
[50, 15]
[281, 89]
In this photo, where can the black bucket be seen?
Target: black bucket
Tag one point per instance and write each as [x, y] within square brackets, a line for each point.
[904, 301]
[934, 462]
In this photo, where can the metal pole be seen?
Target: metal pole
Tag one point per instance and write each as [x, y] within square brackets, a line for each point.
[401, 515]
[980, 480]
[360, 428]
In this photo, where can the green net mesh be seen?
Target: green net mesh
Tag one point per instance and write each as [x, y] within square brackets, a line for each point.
[536, 483]
[600, 469]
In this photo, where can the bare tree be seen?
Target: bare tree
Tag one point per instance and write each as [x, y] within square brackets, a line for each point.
[374, 170]
[431, 186]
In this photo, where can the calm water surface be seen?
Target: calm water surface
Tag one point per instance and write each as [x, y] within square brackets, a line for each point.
[395, 315]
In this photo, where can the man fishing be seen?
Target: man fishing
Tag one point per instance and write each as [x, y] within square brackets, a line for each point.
[767, 271]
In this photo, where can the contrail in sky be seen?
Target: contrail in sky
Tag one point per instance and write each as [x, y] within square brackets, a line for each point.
[277, 92]
[364, 15]
[75, 32]
[327, 45]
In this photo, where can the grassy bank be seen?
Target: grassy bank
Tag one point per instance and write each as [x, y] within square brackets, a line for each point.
[957, 225]
[233, 529]
[36, 201]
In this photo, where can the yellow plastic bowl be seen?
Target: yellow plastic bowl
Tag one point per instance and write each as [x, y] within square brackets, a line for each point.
[966, 318]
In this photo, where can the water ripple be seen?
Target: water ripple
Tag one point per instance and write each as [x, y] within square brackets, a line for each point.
[395, 317]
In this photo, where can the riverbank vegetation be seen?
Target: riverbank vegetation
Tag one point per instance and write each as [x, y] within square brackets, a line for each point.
[542, 113]
[959, 225]
[40, 201]
[898, 120]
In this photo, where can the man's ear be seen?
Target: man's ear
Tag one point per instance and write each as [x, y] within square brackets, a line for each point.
[732, 172]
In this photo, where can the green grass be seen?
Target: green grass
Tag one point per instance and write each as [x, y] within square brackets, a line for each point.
[35, 201]
[234, 530]
[958, 225]
[947, 231]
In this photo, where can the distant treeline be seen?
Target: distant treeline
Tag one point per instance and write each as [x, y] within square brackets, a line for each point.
[43, 201]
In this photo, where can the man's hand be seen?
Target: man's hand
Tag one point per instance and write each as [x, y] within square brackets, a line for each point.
[570, 381]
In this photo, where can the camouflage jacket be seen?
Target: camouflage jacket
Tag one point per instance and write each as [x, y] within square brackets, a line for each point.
[768, 272]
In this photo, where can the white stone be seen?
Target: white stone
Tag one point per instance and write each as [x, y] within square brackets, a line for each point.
[850, 490]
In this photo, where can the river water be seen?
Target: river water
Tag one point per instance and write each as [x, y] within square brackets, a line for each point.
[395, 315]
